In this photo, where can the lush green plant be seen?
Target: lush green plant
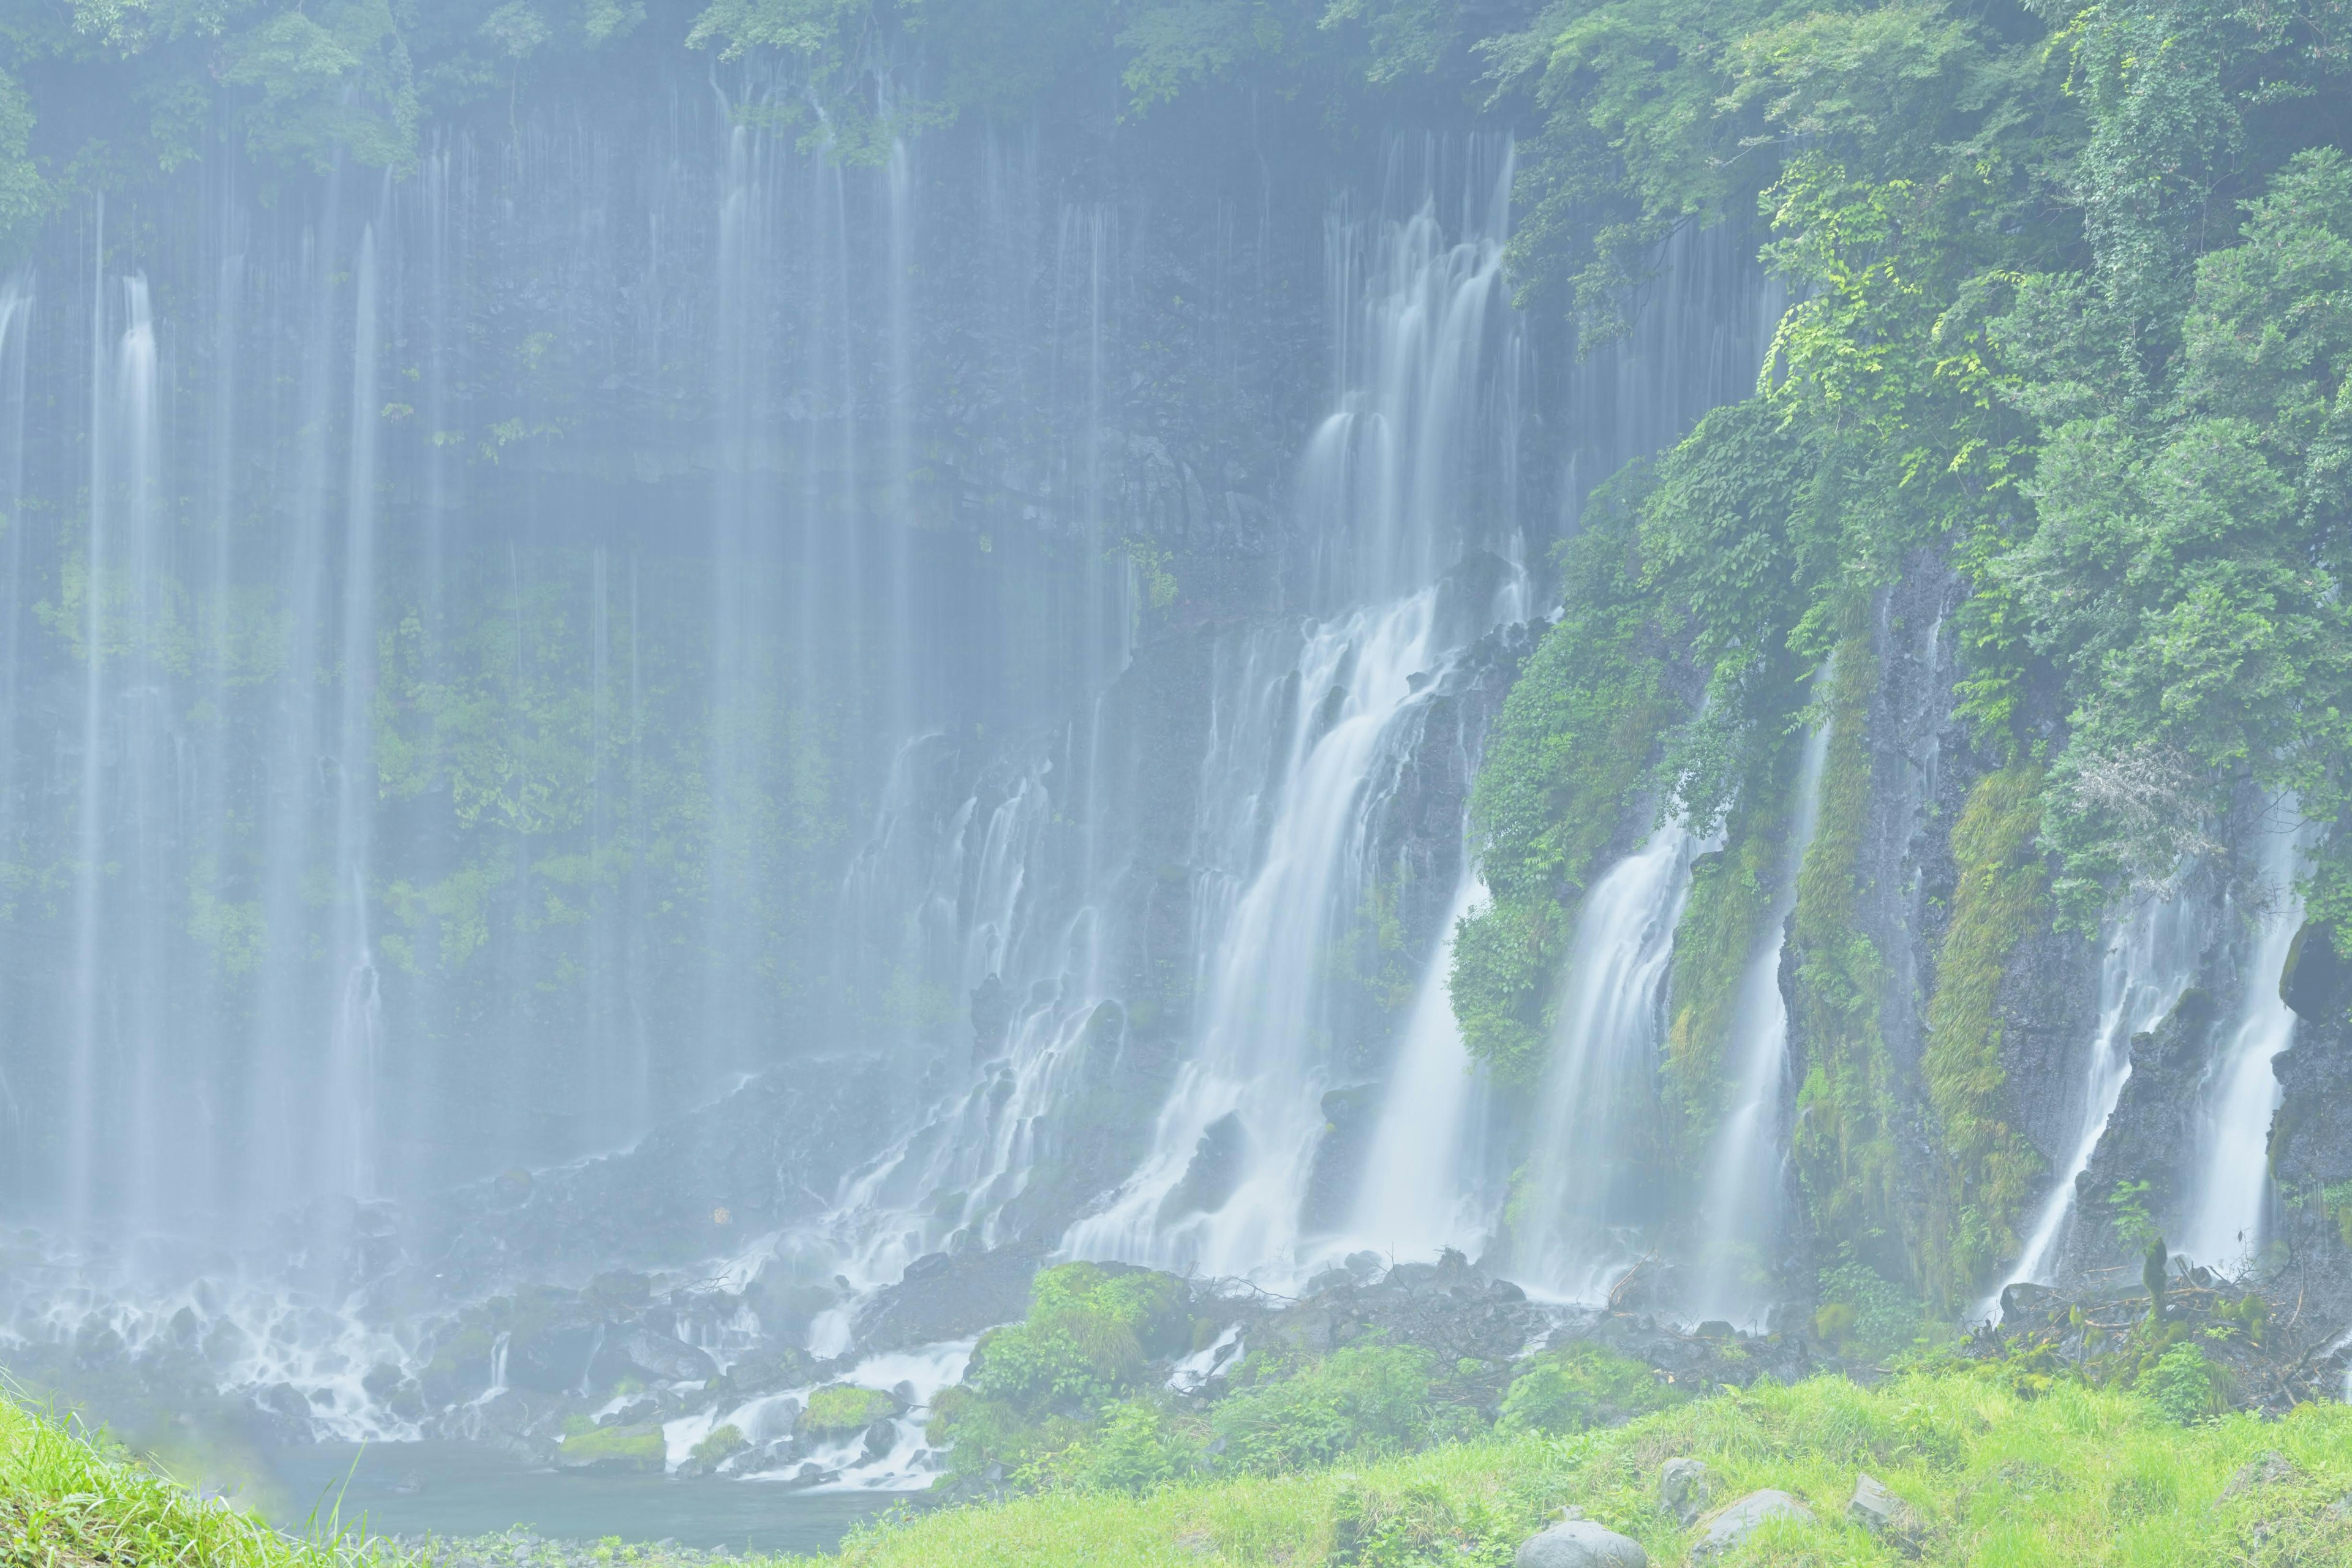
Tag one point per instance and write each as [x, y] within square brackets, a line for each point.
[1367, 1399]
[67, 1498]
[2185, 1385]
[1582, 1386]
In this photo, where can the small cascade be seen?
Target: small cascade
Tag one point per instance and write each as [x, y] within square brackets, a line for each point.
[2223, 1226]
[1739, 1202]
[1420, 1191]
[1584, 1192]
[1221, 1189]
[2146, 967]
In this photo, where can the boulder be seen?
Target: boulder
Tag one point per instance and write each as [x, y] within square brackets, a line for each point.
[1885, 1515]
[1685, 1487]
[1579, 1543]
[1737, 1522]
[2264, 1470]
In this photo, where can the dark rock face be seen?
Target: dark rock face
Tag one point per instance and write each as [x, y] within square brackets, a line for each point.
[948, 1296]
[770, 1152]
[2151, 1137]
[2311, 1137]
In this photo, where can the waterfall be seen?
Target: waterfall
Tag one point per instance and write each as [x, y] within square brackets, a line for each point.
[1420, 1191]
[1233, 1145]
[2224, 1225]
[1412, 468]
[1739, 1208]
[1584, 1198]
[2144, 969]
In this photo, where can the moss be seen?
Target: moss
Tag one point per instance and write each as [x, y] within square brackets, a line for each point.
[1988, 1169]
[638, 1447]
[1723, 921]
[722, 1442]
[1571, 746]
[1847, 1106]
[842, 1408]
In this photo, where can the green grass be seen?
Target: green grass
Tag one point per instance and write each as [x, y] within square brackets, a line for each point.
[69, 1502]
[2072, 1477]
[2067, 1477]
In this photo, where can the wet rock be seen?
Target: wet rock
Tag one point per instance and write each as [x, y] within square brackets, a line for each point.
[1214, 1171]
[1737, 1522]
[1579, 1543]
[943, 1297]
[880, 1438]
[2316, 982]
[1685, 1487]
[1885, 1515]
[2025, 1306]
[649, 1357]
[615, 1449]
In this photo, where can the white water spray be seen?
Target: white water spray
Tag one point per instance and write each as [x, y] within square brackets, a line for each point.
[1740, 1202]
[1583, 1217]
[2224, 1225]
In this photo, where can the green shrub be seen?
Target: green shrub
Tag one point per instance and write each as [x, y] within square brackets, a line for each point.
[1136, 1448]
[1369, 1400]
[2184, 1385]
[1091, 1332]
[842, 1408]
[1865, 1313]
[1583, 1386]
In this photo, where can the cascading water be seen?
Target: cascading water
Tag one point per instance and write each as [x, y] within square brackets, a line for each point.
[1229, 1158]
[1421, 1191]
[1583, 1204]
[1428, 361]
[2224, 1225]
[1739, 1200]
[2146, 967]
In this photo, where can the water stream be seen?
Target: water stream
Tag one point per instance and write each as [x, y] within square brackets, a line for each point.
[2224, 1225]
[1587, 1199]
[1739, 1203]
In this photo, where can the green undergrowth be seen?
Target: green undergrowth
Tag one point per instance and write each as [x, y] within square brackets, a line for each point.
[2070, 1476]
[74, 1501]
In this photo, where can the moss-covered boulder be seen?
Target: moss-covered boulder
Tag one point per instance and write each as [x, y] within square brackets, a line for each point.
[840, 1409]
[616, 1450]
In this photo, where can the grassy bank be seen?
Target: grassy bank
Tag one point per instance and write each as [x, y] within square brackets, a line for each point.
[2071, 1476]
[67, 1501]
[2003, 1474]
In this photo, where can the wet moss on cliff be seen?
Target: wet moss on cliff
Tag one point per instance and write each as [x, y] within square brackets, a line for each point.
[1988, 1171]
[1848, 1105]
[1571, 747]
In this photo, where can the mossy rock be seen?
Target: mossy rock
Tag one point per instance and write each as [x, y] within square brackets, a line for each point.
[842, 1408]
[622, 1448]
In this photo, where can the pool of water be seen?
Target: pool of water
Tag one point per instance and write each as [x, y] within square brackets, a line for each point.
[457, 1489]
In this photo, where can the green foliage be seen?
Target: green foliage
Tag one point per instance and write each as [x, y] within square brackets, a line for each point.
[1567, 753]
[1089, 1332]
[2127, 1205]
[1367, 1400]
[70, 1497]
[1847, 1105]
[1136, 1447]
[1990, 1173]
[1583, 1386]
[2058, 1475]
[2185, 1385]
[1863, 1312]
[842, 1408]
